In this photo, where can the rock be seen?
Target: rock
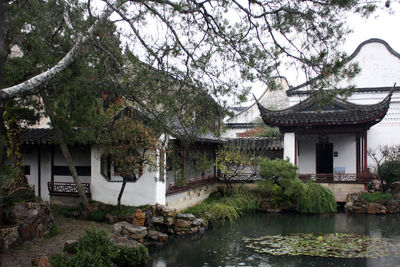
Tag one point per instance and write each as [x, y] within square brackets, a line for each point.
[118, 228]
[29, 231]
[168, 212]
[8, 236]
[42, 261]
[182, 225]
[395, 188]
[373, 208]
[186, 216]
[148, 219]
[158, 219]
[139, 218]
[353, 197]
[197, 222]
[157, 236]
[110, 219]
[134, 232]
[169, 220]
[126, 242]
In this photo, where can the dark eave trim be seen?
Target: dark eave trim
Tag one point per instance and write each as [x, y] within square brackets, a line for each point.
[240, 125]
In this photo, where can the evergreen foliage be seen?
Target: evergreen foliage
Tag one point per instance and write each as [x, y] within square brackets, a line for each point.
[277, 169]
[285, 190]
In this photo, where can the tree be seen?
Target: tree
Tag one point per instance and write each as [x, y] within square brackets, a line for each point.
[234, 164]
[387, 161]
[202, 41]
[130, 146]
[38, 45]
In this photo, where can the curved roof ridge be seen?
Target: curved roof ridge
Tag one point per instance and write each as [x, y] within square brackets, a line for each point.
[353, 55]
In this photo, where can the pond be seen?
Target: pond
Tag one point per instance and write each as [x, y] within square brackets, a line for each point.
[223, 244]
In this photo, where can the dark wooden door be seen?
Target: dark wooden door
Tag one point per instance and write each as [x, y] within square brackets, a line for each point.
[324, 155]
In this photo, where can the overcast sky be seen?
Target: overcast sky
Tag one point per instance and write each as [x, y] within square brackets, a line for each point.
[380, 25]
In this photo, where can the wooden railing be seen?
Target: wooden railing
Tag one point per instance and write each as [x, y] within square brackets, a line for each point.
[337, 177]
[190, 183]
[66, 189]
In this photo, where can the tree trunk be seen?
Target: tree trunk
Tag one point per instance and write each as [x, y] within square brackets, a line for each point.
[64, 149]
[121, 192]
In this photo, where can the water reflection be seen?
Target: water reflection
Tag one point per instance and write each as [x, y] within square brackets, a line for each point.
[222, 245]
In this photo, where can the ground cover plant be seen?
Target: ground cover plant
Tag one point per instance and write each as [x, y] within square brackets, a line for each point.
[281, 185]
[338, 245]
[95, 248]
[376, 197]
[229, 206]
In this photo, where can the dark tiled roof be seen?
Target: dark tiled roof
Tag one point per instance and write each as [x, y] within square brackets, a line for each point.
[309, 114]
[37, 136]
[256, 143]
[240, 125]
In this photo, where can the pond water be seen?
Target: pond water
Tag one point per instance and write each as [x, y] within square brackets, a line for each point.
[222, 244]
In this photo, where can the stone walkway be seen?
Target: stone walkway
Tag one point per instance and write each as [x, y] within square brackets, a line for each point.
[22, 254]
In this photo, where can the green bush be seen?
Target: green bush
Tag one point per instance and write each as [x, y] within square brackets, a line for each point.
[303, 197]
[227, 207]
[96, 249]
[54, 230]
[316, 199]
[277, 169]
[376, 197]
[389, 172]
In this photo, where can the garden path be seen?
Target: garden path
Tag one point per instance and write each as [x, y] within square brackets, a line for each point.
[22, 255]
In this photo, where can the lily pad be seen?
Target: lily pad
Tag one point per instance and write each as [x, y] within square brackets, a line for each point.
[336, 245]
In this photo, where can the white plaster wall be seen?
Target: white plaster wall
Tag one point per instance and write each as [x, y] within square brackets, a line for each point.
[288, 147]
[345, 145]
[378, 67]
[143, 191]
[30, 156]
[306, 159]
[45, 164]
[190, 198]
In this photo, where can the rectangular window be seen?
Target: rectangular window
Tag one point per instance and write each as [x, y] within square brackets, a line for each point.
[64, 171]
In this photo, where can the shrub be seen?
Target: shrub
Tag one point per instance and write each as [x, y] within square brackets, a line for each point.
[389, 172]
[54, 230]
[307, 197]
[376, 197]
[316, 199]
[227, 207]
[96, 249]
[277, 169]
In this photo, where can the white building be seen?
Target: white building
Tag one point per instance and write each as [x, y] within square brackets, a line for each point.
[331, 140]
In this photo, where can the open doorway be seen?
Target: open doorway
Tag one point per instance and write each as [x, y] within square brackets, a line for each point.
[324, 156]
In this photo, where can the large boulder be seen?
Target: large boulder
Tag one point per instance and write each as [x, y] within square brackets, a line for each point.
[132, 231]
